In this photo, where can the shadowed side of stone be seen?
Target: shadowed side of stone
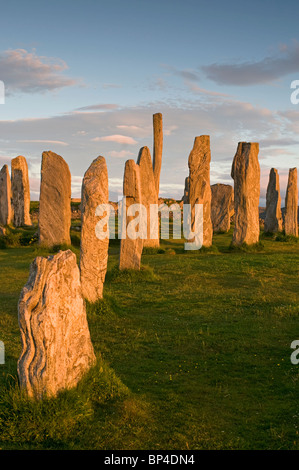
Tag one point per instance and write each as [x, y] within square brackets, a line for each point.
[6, 212]
[20, 191]
[273, 218]
[222, 207]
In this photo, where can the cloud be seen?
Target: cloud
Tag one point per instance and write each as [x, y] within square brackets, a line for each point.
[120, 154]
[26, 72]
[187, 74]
[55, 142]
[97, 107]
[227, 121]
[274, 142]
[120, 139]
[267, 70]
[202, 91]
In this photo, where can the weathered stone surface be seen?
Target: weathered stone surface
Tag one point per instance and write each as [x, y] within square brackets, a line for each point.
[158, 148]
[55, 201]
[291, 204]
[94, 249]
[149, 197]
[56, 344]
[246, 176]
[131, 248]
[185, 197]
[199, 185]
[20, 191]
[6, 213]
[222, 207]
[273, 220]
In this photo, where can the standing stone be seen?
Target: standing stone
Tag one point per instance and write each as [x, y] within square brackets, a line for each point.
[131, 248]
[149, 197]
[55, 201]
[94, 250]
[199, 185]
[222, 207]
[273, 219]
[158, 148]
[6, 213]
[291, 204]
[246, 176]
[20, 191]
[56, 344]
[185, 198]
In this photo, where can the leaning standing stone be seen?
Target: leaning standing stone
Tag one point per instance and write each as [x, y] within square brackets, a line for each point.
[291, 204]
[246, 176]
[6, 213]
[131, 244]
[222, 207]
[199, 185]
[20, 191]
[55, 201]
[94, 249]
[56, 345]
[273, 219]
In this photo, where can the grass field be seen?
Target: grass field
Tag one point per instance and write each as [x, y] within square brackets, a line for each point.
[193, 353]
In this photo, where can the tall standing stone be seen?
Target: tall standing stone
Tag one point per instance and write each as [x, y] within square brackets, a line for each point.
[246, 176]
[158, 148]
[20, 191]
[273, 219]
[94, 249]
[56, 345]
[199, 185]
[149, 197]
[131, 246]
[222, 207]
[55, 201]
[291, 204]
[6, 213]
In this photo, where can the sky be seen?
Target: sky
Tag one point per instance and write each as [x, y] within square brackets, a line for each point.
[84, 78]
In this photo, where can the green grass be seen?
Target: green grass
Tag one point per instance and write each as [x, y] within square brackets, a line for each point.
[193, 353]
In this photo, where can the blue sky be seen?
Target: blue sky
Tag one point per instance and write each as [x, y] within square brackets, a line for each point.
[83, 78]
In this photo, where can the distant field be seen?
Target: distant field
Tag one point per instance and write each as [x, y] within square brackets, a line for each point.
[193, 353]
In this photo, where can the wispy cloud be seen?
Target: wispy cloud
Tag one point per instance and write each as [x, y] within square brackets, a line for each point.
[120, 154]
[267, 70]
[26, 72]
[120, 139]
[187, 74]
[194, 88]
[55, 142]
[97, 107]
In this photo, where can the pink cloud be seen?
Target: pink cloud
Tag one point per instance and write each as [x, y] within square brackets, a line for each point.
[120, 139]
[23, 71]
